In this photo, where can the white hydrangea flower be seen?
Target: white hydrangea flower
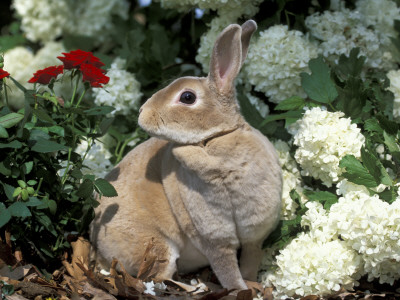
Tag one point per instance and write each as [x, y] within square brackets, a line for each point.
[380, 14]
[341, 31]
[121, 92]
[394, 77]
[21, 63]
[323, 139]
[291, 180]
[275, 61]
[42, 20]
[238, 7]
[97, 160]
[372, 228]
[261, 107]
[94, 18]
[344, 187]
[309, 266]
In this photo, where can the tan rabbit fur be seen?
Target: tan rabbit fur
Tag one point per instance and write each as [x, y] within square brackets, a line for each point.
[204, 186]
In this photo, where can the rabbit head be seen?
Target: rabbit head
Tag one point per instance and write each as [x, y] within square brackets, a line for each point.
[193, 109]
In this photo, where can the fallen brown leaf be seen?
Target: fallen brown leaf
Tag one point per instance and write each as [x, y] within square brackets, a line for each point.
[80, 253]
[215, 295]
[96, 293]
[6, 255]
[310, 297]
[96, 279]
[131, 281]
[16, 273]
[148, 262]
[15, 297]
[31, 289]
[245, 295]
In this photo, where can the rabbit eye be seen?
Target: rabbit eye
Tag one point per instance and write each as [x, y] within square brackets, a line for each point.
[188, 98]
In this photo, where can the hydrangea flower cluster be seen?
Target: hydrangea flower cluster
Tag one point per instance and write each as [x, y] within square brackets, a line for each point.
[340, 31]
[275, 61]
[44, 20]
[22, 63]
[361, 235]
[371, 227]
[394, 77]
[236, 7]
[308, 265]
[323, 139]
[97, 160]
[291, 180]
[122, 91]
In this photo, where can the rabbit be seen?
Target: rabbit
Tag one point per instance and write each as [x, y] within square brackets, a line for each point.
[204, 185]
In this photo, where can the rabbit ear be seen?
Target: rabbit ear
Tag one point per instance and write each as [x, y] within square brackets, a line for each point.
[229, 53]
[226, 58]
[248, 28]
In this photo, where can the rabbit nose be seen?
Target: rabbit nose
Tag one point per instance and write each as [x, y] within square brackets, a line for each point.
[140, 110]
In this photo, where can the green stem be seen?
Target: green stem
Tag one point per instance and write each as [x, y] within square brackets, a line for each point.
[39, 185]
[331, 106]
[5, 92]
[121, 151]
[65, 175]
[75, 89]
[81, 97]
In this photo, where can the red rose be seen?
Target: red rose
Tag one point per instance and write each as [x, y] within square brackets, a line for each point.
[93, 75]
[3, 73]
[44, 76]
[74, 59]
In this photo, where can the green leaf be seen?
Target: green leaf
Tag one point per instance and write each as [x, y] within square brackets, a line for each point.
[372, 125]
[43, 115]
[9, 190]
[19, 209]
[292, 103]
[324, 197]
[14, 144]
[291, 114]
[99, 110]
[24, 194]
[6, 171]
[5, 215]
[52, 207]
[3, 133]
[57, 130]
[44, 146]
[319, 86]
[375, 167]
[356, 172]
[28, 166]
[103, 187]
[46, 222]
[388, 195]
[22, 183]
[10, 120]
[16, 192]
[33, 201]
[85, 189]
[351, 65]
[390, 142]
